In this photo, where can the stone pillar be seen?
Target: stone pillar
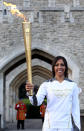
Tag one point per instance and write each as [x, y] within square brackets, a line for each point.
[10, 104]
[13, 104]
[2, 93]
[7, 100]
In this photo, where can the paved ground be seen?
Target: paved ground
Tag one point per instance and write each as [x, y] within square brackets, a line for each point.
[30, 125]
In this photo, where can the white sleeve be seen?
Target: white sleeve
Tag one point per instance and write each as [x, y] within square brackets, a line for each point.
[42, 92]
[76, 107]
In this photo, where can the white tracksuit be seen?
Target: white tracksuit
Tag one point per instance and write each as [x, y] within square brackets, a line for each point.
[62, 101]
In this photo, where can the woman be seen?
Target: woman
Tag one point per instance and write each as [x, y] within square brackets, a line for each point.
[62, 98]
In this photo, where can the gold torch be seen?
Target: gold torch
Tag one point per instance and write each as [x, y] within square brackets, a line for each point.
[27, 39]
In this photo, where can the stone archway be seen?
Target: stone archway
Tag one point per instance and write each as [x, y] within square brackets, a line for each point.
[18, 76]
[40, 74]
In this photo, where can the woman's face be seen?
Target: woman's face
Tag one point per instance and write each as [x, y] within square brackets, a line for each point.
[59, 68]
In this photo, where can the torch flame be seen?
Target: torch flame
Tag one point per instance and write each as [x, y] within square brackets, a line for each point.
[15, 11]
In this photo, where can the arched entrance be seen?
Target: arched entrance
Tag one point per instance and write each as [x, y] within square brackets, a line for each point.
[40, 74]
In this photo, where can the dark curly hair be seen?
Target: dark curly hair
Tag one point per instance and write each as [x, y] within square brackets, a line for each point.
[65, 63]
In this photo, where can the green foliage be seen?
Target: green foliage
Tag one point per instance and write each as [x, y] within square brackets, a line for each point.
[32, 111]
[26, 101]
[45, 100]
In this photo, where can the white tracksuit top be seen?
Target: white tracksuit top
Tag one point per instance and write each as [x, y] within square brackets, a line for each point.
[62, 101]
